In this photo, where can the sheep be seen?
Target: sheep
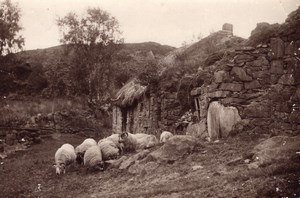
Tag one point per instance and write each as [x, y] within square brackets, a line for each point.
[165, 135]
[115, 138]
[93, 158]
[138, 141]
[109, 149]
[81, 149]
[64, 156]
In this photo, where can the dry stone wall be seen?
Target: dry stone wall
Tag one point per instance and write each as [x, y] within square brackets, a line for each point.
[261, 82]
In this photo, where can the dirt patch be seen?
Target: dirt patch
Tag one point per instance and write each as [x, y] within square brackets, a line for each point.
[30, 174]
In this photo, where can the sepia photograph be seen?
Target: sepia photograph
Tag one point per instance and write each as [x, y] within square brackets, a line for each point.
[150, 98]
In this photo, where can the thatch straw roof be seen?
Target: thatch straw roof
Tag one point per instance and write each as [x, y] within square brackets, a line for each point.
[129, 93]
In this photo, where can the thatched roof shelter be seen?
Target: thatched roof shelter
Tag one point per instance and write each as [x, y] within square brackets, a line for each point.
[129, 93]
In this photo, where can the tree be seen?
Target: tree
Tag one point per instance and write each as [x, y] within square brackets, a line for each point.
[10, 40]
[93, 37]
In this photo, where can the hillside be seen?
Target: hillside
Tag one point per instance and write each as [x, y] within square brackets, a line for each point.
[187, 60]
[43, 71]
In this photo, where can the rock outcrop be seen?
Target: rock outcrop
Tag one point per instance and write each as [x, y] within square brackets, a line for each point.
[274, 149]
[174, 149]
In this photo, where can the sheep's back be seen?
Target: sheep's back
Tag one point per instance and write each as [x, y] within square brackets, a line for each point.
[85, 145]
[165, 135]
[146, 140]
[65, 155]
[108, 149]
[92, 156]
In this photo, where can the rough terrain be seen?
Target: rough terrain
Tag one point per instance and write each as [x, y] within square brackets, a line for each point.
[213, 170]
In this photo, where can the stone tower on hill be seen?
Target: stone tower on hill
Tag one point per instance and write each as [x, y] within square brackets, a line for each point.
[228, 28]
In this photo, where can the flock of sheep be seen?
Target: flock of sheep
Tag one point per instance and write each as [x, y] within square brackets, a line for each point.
[93, 155]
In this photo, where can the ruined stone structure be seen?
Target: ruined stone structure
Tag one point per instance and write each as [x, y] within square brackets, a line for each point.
[253, 89]
[227, 28]
[261, 83]
[147, 114]
[135, 109]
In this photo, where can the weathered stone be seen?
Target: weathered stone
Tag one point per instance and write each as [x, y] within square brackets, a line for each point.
[227, 27]
[245, 48]
[297, 95]
[276, 148]
[174, 149]
[221, 76]
[196, 91]
[260, 61]
[243, 58]
[239, 74]
[198, 130]
[257, 110]
[294, 117]
[249, 96]
[277, 46]
[230, 64]
[230, 101]
[276, 67]
[116, 163]
[283, 107]
[212, 87]
[287, 79]
[131, 160]
[218, 94]
[220, 120]
[1, 147]
[289, 48]
[252, 85]
[231, 86]
[204, 101]
[274, 78]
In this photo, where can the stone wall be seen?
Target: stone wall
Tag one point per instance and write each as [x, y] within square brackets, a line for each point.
[262, 82]
[170, 111]
[141, 116]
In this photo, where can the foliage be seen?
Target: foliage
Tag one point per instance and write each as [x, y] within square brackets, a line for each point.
[93, 38]
[262, 33]
[10, 40]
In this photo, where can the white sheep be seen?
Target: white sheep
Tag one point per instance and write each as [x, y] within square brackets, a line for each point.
[81, 149]
[138, 141]
[64, 156]
[165, 135]
[109, 149]
[115, 138]
[93, 158]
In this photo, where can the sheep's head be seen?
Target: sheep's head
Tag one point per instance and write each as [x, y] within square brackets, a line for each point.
[60, 168]
[123, 137]
[79, 158]
[100, 166]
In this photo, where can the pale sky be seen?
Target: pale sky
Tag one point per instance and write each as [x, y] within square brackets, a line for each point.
[169, 22]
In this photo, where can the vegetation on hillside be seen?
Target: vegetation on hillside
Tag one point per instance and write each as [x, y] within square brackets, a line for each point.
[10, 40]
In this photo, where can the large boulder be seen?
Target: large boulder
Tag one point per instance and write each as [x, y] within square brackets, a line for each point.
[274, 149]
[197, 130]
[133, 159]
[174, 149]
[220, 120]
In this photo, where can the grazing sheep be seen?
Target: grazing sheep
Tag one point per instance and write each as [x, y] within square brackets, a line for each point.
[165, 135]
[81, 149]
[138, 141]
[93, 158]
[109, 149]
[115, 138]
[64, 156]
